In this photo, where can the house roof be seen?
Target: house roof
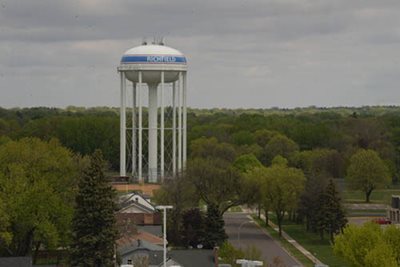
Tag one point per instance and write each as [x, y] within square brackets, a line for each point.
[138, 245]
[128, 200]
[193, 257]
[140, 240]
[16, 262]
[126, 205]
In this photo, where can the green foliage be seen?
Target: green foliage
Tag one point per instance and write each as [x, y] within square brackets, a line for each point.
[320, 161]
[192, 231]
[392, 237]
[282, 187]
[180, 193]
[330, 216]
[5, 233]
[310, 204]
[229, 254]
[368, 245]
[214, 226]
[37, 184]
[217, 182]
[279, 145]
[380, 256]
[247, 131]
[247, 162]
[93, 225]
[243, 138]
[210, 148]
[367, 172]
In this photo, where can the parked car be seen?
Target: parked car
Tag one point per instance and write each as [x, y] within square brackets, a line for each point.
[382, 221]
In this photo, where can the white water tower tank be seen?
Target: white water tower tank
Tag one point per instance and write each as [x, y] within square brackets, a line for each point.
[153, 66]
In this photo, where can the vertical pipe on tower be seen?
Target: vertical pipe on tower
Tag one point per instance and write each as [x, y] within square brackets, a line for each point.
[122, 164]
[140, 157]
[133, 129]
[162, 127]
[152, 144]
[173, 129]
[180, 89]
[184, 121]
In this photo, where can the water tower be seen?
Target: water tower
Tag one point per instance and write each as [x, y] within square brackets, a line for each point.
[153, 127]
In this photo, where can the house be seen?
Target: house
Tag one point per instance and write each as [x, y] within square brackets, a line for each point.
[141, 245]
[142, 201]
[136, 210]
[394, 209]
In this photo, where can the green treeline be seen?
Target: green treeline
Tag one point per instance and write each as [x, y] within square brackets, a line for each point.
[335, 132]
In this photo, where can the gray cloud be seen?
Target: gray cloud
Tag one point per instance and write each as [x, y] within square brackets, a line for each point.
[241, 53]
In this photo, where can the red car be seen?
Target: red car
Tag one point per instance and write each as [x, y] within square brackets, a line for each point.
[382, 221]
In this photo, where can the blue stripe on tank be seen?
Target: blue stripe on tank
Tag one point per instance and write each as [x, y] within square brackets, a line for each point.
[153, 59]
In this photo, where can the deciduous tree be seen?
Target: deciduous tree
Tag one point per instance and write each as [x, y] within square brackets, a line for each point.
[282, 188]
[366, 245]
[367, 172]
[37, 185]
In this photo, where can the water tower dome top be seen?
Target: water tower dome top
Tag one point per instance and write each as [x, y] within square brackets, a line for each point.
[153, 54]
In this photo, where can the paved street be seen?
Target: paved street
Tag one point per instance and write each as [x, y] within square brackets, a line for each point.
[252, 235]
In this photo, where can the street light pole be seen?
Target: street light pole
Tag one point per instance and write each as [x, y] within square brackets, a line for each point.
[164, 209]
[240, 226]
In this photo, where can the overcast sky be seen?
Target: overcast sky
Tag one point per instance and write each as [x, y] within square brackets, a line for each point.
[241, 53]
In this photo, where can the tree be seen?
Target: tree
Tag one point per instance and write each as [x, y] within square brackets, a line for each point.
[192, 231]
[282, 188]
[229, 254]
[365, 246]
[380, 256]
[367, 172]
[279, 145]
[37, 186]
[93, 224]
[331, 215]
[214, 226]
[255, 187]
[392, 237]
[319, 161]
[310, 202]
[217, 183]
[210, 148]
[247, 162]
[179, 193]
[5, 234]
[243, 138]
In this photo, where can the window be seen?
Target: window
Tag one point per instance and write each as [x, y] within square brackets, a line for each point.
[129, 262]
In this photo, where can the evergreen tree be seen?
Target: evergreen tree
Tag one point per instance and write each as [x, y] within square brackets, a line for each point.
[214, 226]
[310, 201]
[93, 225]
[192, 227]
[332, 217]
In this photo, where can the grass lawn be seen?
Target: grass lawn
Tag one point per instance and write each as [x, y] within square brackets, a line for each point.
[381, 196]
[310, 241]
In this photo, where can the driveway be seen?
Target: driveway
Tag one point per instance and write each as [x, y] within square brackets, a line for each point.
[252, 235]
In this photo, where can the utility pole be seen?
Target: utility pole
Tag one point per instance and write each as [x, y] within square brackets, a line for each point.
[164, 209]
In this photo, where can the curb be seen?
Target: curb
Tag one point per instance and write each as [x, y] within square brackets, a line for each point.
[299, 247]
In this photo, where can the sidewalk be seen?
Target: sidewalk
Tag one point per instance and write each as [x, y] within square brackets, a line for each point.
[299, 247]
